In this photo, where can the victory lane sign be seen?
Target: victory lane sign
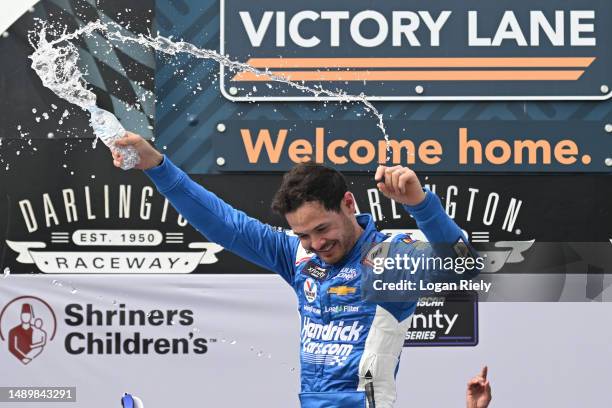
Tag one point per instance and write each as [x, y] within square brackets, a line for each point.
[394, 51]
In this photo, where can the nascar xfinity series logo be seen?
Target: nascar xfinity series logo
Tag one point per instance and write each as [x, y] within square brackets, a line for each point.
[327, 343]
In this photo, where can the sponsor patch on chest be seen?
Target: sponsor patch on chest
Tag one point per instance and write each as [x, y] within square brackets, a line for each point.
[315, 271]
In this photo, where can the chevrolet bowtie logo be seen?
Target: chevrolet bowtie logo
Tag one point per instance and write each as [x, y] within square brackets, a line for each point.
[341, 290]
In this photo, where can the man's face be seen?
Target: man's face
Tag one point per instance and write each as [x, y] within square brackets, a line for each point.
[25, 317]
[329, 234]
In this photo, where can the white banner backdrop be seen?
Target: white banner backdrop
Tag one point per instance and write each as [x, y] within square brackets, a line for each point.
[236, 341]
[12, 10]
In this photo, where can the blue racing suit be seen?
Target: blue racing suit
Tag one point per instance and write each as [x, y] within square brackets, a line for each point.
[350, 348]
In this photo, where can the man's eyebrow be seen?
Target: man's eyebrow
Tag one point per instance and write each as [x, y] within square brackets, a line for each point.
[323, 224]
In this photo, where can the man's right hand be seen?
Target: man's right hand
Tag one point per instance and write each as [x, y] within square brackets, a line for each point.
[149, 157]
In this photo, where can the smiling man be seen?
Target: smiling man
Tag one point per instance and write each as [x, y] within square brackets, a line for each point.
[350, 347]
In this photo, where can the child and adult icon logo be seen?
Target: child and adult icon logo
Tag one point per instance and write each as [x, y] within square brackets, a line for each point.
[27, 325]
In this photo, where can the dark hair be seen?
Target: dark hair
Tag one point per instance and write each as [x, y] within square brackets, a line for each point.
[309, 182]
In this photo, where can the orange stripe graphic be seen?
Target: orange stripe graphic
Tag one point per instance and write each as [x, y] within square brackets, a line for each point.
[414, 76]
[505, 62]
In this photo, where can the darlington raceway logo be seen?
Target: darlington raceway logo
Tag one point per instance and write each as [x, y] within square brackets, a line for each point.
[328, 344]
[396, 50]
[27, 325]
[70, 235]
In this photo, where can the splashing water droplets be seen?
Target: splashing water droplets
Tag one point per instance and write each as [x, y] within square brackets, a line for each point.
[57, 68]
[56, 65]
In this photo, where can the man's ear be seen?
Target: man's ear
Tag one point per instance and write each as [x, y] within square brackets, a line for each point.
[348, 202]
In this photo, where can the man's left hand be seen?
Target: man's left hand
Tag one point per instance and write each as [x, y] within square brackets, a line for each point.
[399, 184]
[479, 391]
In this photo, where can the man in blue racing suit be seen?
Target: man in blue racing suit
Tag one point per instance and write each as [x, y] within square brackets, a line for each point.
[350, 347]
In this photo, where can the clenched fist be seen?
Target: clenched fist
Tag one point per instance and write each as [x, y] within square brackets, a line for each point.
[149, 157]
[399, 184]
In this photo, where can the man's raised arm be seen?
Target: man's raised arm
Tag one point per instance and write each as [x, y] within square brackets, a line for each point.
[218, 221]
[402, 185]
[446, 239]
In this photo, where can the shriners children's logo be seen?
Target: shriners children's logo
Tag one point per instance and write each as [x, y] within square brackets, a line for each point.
[27, 324]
